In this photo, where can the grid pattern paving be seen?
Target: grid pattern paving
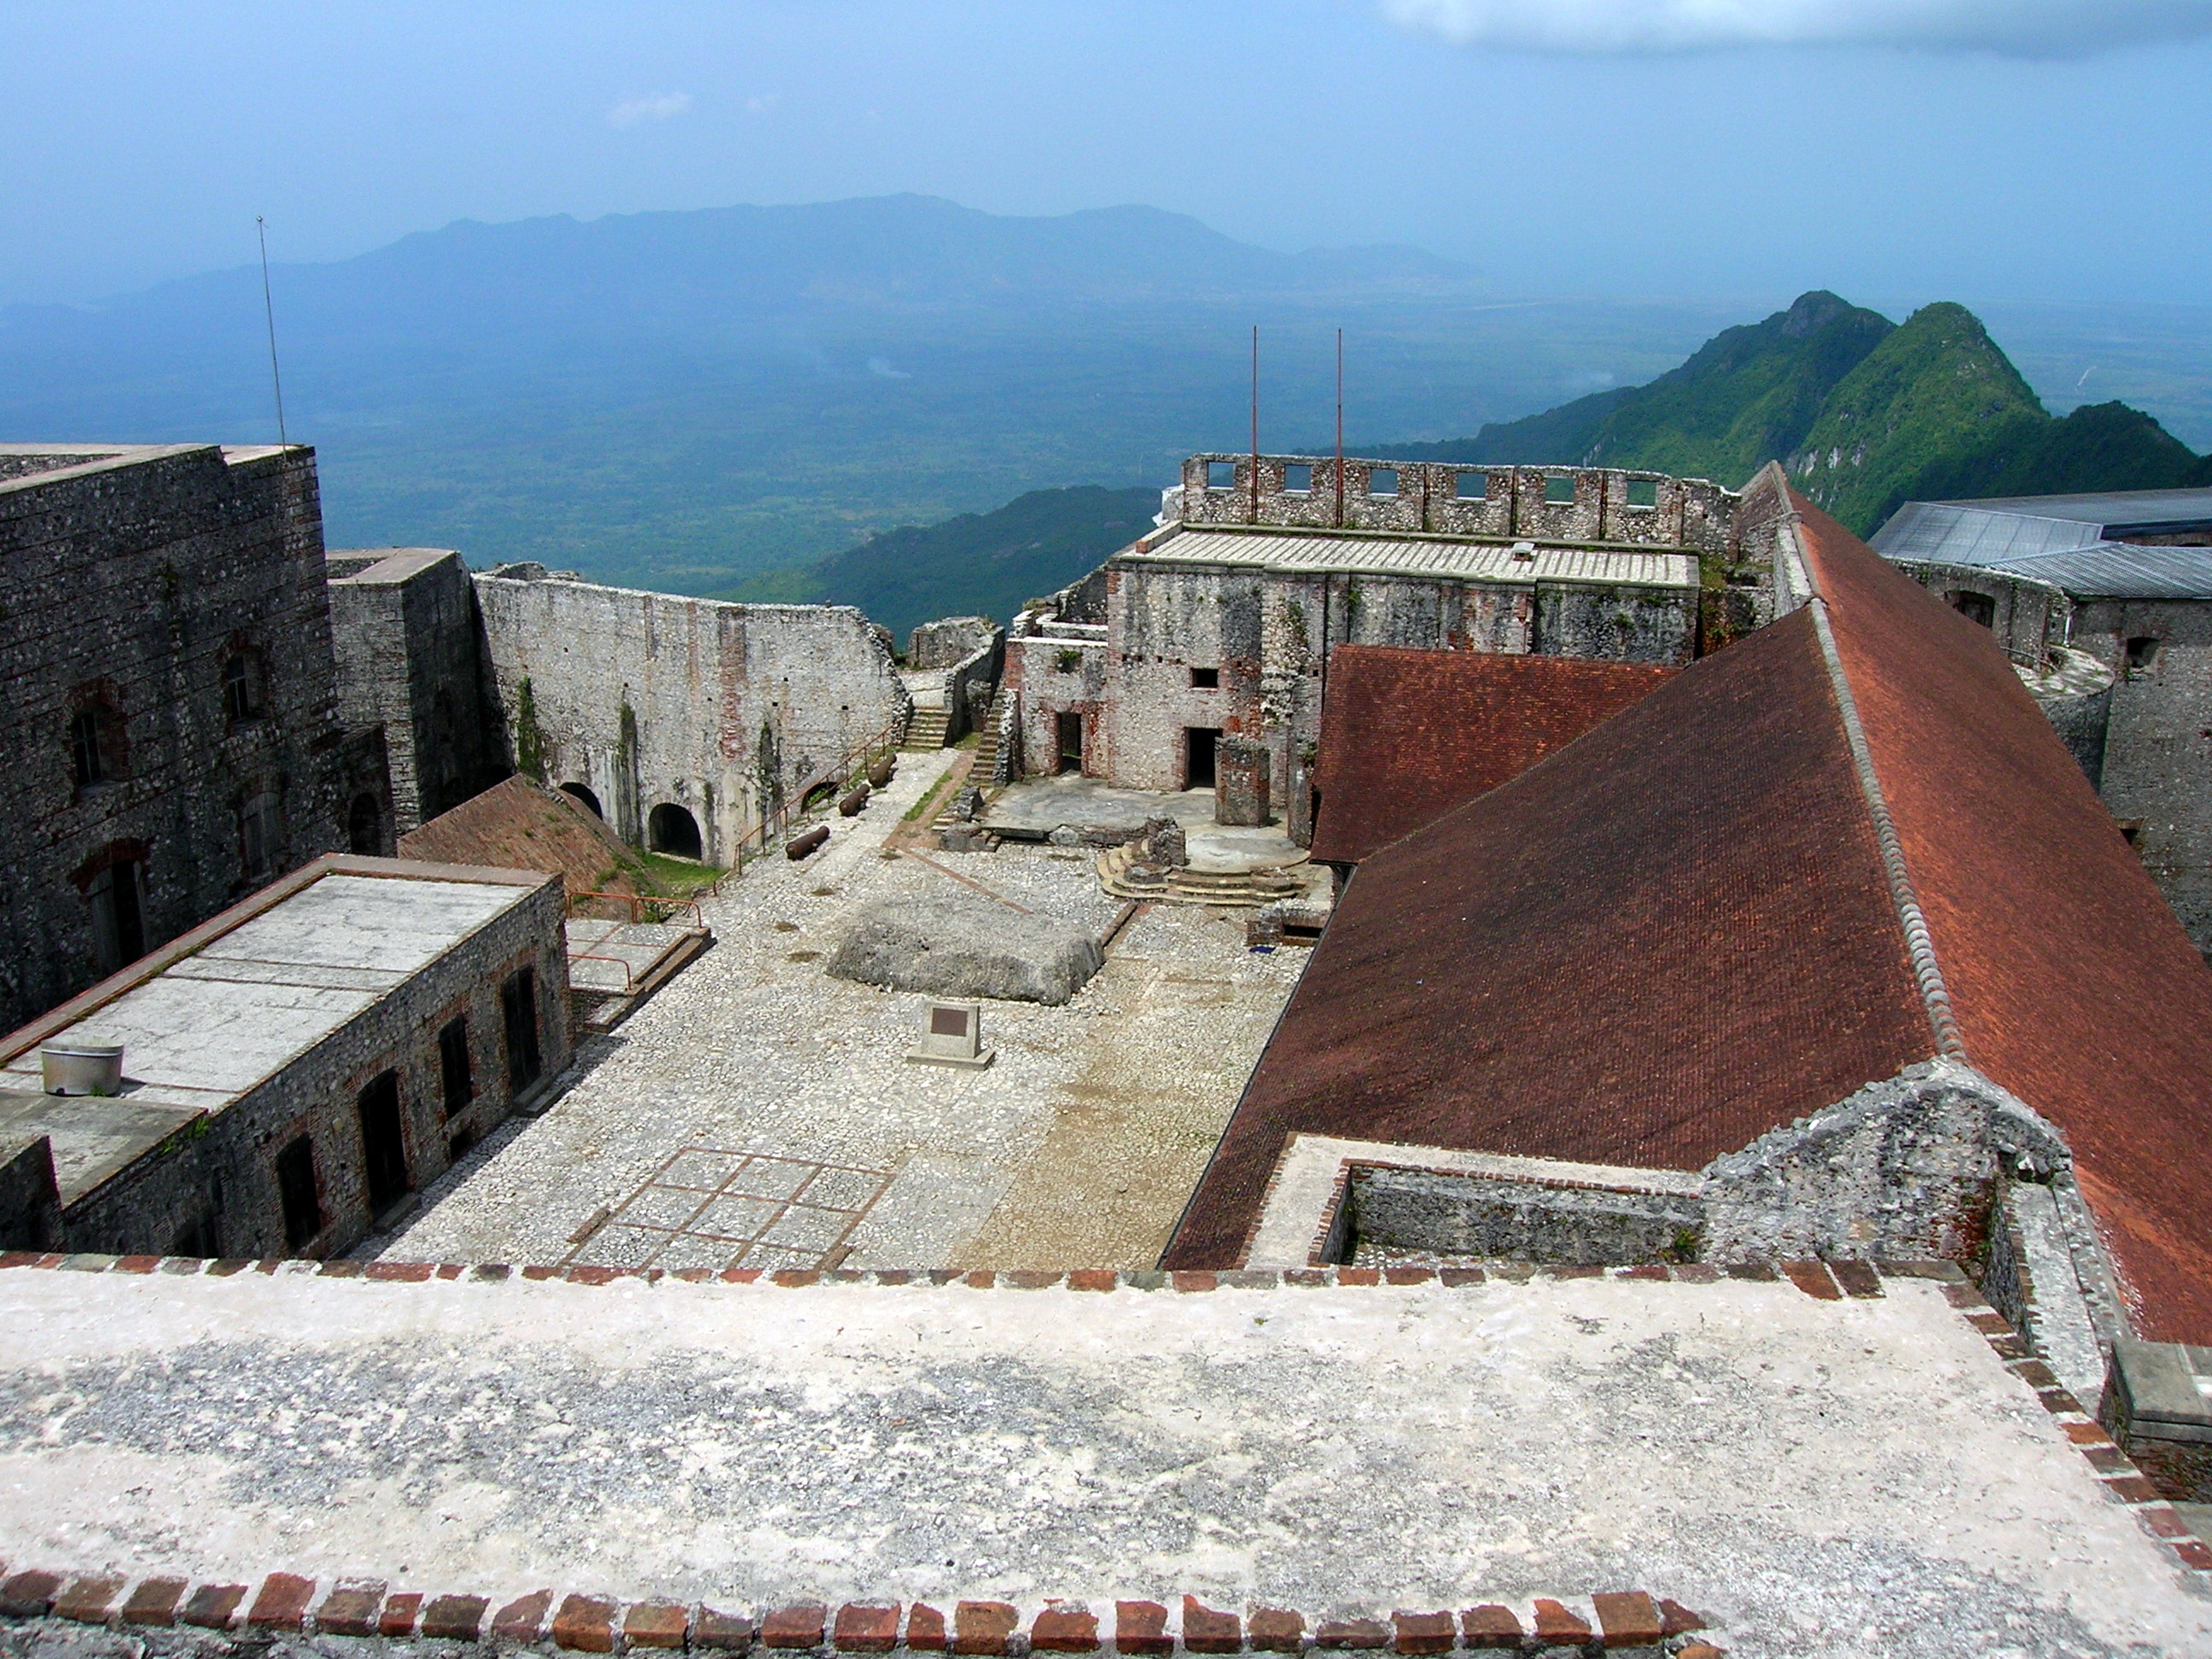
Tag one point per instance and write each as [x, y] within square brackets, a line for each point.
[707, 1207]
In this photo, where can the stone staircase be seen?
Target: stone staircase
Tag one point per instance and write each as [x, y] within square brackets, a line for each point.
[985, 770]
[1120, 874]
[926, 730]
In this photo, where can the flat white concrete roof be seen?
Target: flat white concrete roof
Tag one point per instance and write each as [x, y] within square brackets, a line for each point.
[213, 1024]
[1816, 1477]
[1409, 555]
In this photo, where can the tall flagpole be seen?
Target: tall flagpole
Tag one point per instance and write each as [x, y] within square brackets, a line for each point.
[269, 311]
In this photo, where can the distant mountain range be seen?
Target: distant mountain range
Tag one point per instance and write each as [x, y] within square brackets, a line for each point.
[983, 564]
[1865, 414]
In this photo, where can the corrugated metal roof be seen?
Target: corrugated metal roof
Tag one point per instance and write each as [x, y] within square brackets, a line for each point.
[2116, 570]
[1416, 556]
[2139, 509]
[2067, 552]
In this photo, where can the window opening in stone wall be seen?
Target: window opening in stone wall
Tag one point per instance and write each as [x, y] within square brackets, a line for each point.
[1976, 608]
[261, 834]
[296, 1189]
[2142, 653]
[97, 751]
[383, 1145]
[672, 828]
[1206, 679]
[1298, 478]
[241, 687]
[1199, 743]
[1067, 743]
[1382, 481]
[1221, 475]
[456, 1085]
[1558, 488]
[1471, 487]
[365, 825]
[583, 793]
[119, 914]
[518, 1004]
[1642, 492]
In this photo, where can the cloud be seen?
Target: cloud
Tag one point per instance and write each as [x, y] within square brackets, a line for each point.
[634, 112]
[882, 369]
[2021, 28]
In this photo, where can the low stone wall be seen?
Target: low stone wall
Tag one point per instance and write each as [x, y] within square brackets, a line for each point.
[30, 1207]
[1437, 1213]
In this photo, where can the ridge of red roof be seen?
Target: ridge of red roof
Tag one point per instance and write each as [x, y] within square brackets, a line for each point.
[2071, 982]
[1407, 735]
[1665, 940]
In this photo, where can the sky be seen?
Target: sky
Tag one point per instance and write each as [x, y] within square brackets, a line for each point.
[1894, 151]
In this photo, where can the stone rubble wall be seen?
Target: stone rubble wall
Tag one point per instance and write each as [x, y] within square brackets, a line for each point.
[724, 710]
[137, 578]
[941, 644]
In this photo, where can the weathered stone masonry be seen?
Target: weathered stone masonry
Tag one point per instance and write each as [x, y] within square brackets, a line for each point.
[717, 712]
[172, 728]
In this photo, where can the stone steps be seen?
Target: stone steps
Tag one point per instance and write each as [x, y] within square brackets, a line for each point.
[984, 772]
[925, 731]
[1120, 874]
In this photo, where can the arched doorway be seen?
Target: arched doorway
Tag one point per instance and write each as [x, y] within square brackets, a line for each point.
[365, 825]
[672, 829]
[583, 792]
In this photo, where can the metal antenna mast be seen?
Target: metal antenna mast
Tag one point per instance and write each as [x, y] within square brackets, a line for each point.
[269, 311]
[1255, 423]
[1340, 429]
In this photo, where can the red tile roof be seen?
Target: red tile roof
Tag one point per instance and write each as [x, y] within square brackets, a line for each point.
[2072, 984]
[1407, 735]
[1677, 932]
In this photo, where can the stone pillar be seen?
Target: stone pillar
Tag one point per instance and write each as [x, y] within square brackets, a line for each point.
[1240, 789]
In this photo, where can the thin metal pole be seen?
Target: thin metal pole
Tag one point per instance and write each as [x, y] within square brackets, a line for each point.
[269, 311]
[1340, 429]
[1255, 423]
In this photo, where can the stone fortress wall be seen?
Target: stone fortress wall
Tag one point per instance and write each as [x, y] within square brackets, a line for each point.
[660, 712]
[173, 727]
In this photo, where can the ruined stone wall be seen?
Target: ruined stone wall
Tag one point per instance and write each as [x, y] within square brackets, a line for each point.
[2157, 756]
[2029, 618]
[1540, 503]
[941, 644]
[1439, 1213]
[650, 699]
[127, 584]
[405, 629]
[218, 1184]
[1047, 676]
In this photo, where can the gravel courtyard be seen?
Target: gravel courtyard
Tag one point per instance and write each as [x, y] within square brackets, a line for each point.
[758, 1113]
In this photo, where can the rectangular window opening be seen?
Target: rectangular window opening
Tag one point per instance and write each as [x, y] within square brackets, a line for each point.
[295, 1190]
[1298, 478]
[2142, 653]
[459, 1087]
[1558, 489]
[1382, 481]
[383, 1144]
[1471, 487]
[518, 999]
[1643, 492]
[1976, 608]
[1206, 679]
[1221, 475]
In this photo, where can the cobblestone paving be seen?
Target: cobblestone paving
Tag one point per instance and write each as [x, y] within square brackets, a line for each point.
[1077, 1148]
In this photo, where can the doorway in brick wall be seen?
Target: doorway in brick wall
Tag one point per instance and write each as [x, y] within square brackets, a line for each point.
[1200, 743]
[1068, 735]
[383, 1146]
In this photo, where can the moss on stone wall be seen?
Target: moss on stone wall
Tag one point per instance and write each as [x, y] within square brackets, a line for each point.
[529, 739]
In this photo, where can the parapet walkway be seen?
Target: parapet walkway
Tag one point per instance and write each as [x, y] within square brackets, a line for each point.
[1812, 1473]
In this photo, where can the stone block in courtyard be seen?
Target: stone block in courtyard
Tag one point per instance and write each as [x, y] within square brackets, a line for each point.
[959, 946]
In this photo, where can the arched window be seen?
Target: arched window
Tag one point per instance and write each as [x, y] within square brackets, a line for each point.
[1975, 607]
[583, 793]
[672, 829]
[98, 752]
[241, 687]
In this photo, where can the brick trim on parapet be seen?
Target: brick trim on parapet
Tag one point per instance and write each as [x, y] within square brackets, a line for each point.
[1827, 1281]
[287, 1604]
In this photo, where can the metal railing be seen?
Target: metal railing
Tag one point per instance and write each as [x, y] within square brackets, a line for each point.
[629, 980]
[639, 903]
[815, 797]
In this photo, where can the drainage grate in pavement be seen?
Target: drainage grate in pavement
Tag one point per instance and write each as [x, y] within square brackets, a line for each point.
[707, 1207]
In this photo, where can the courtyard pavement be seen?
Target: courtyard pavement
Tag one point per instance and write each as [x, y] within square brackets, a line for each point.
[758, 1113]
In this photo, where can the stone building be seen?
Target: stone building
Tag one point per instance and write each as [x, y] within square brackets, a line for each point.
[295, 1068]
[403, 621]
[172, 723]
[1218, 627]
[1822, 947]
[682, 723]
[2105, 604]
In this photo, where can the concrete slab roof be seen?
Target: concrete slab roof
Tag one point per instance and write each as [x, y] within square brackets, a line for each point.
[385, 564]
[1834, 1477]
[91, 1139]
[249, 997]
[1418, 556]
